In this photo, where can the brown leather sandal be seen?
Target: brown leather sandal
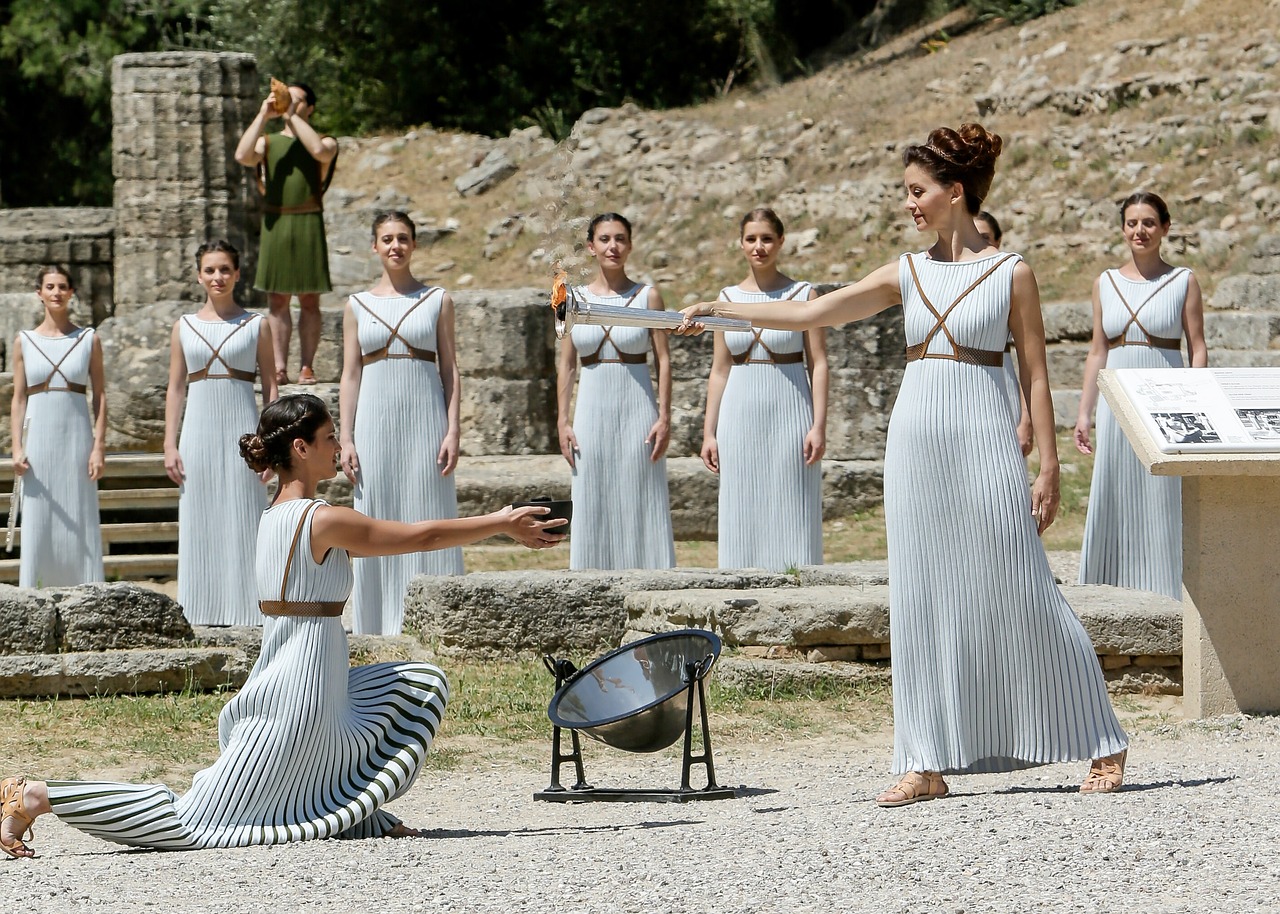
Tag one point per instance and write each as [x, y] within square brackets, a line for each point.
[914, 787]
[1105, 774]
[13, 806]
[306, 376]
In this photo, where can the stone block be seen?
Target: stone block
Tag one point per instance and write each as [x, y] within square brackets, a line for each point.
[121, 672]
[1266, 255]
[688, 414]
[505, 334]
[1066, 407]
[691, 357]
[491, 172]
[28, 621]
[859, 404]
[1240, 330]
[1247, 292]
[499, 416]
[695, 499]
[522, 613]
[1068, 322]
[766, 677]
[796, 617]
[1245, 358]
[1129, 622]
[875, 343]
[487, 483]
[851, 486]
[832, 654]
[849, 574]
[136, 360]
[1066, 366]
[119, 616]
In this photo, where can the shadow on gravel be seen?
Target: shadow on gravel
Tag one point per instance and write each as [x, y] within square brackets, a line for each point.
[1127, 788]
[554, 830]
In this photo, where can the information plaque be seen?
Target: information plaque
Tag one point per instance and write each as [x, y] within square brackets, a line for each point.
[1199, 410]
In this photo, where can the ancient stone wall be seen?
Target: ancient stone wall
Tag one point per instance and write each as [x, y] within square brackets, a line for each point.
[177, 118]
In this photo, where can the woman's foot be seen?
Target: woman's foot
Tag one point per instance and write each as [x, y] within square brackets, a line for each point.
[15, 821]
[306, 376]
[1105, 774]
[914, 787]
[282, 377]
[404, 831]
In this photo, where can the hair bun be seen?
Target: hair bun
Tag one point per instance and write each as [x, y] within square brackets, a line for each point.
[254, 451]
[969, 148]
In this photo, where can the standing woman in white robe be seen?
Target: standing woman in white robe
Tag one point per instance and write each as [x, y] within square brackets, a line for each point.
[765, 429]
[616, 444]
[64, 454]
[991, 669]
[399, 408]
[310, 747]
[212, 359]
[1141, 313]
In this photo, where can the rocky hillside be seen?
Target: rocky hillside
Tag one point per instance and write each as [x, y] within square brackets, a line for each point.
[1181, 97]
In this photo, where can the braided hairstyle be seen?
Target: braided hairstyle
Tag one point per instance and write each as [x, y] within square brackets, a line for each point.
[966, 156]
[282, 422]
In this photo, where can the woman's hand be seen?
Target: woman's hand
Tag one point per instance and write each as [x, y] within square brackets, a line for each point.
[659, 436]
[447, 459]
[527, 527]
[1044, 500]
[815, 445]
[350, 462]
[20, 463]
[710, 453]
[1025, 437]
[173, 466]
[268, 109]
[97, 463]
[691, 326]
[568, 444]
[1081, 436]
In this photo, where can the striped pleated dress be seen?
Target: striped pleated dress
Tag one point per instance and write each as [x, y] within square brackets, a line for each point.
[61, 532]
[310, 748]
[991, 669]
[770, 502]
[1012, 384]
[1133, 531]
[621, 507]
[401, 420]
[221, 499]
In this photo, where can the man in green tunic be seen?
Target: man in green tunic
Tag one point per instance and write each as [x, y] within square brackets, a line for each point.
[294, 169]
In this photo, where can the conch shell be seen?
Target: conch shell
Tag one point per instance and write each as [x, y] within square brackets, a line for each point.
[280, 96]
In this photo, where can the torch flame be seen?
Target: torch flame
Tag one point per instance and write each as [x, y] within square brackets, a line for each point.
[559, 289]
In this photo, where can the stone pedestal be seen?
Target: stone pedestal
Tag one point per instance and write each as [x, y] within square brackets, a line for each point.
[178, 117]
[1230, 576]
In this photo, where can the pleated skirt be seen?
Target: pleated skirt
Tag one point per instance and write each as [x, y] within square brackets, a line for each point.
[1133, 530]
[61, 531]
[621, 508]
[219, 506]
[309, 749]
[400, 424]
[770, 502]
[991, 669]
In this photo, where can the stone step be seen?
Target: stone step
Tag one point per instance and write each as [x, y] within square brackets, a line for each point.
[159, 532]
[1137, 635]
[162, 566]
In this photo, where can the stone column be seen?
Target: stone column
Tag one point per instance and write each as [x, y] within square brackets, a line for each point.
[177, 118]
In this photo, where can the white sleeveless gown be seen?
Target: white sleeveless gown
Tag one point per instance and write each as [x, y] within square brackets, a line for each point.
[401, 419]
[991, 669]
[310, 748]
[61, 531]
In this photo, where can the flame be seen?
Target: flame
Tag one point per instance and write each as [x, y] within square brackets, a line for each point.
[559, 289]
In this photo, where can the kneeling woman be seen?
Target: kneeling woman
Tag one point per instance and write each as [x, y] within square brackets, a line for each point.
[310, 748]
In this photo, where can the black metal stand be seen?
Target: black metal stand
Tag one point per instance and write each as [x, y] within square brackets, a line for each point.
[582, 792]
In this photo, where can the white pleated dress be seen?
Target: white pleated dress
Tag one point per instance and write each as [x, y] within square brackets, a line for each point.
[1012, 384]
[770, 502]
[991, 669]
[61, 531]
[1133, 531]
[621, 508]
[310, 748]
[221, 499]
[401, 419]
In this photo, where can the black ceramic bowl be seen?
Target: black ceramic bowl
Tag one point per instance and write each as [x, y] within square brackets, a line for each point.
[562, 510]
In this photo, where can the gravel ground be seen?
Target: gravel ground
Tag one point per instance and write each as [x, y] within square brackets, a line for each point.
[1197, 829]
